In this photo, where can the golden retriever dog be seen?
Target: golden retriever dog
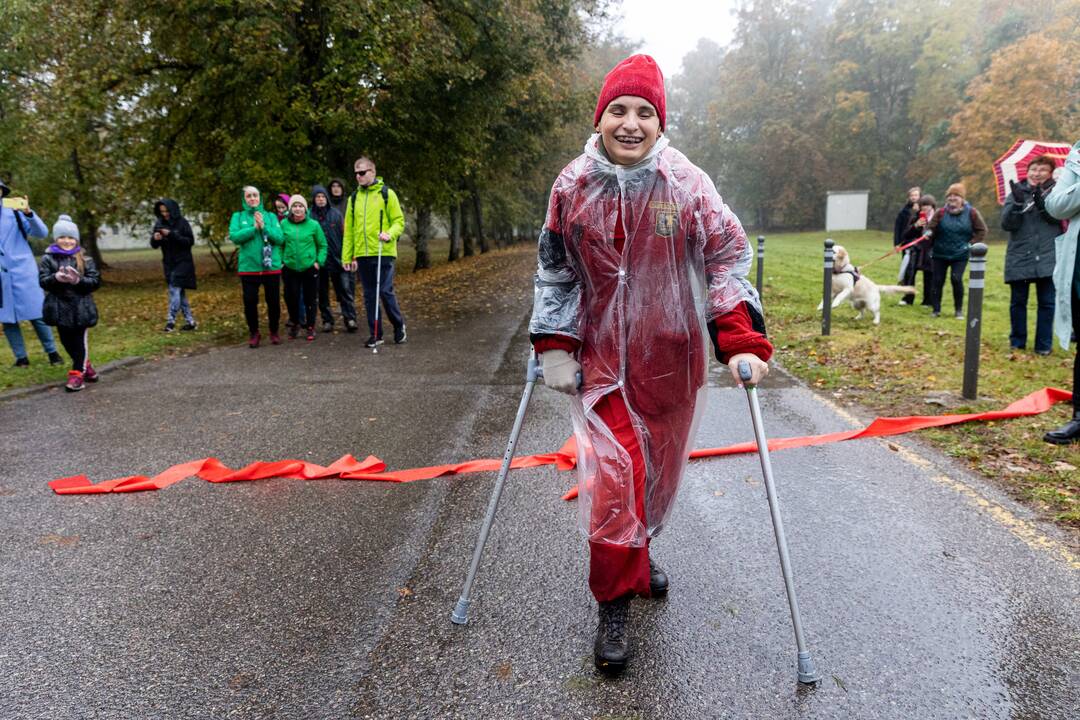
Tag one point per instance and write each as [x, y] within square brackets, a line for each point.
[862, 292]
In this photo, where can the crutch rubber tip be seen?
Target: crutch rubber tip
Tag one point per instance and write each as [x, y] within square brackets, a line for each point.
[808, 674]
[460, 616]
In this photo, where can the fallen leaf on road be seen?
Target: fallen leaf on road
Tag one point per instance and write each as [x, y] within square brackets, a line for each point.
[62, 540]
[404, 592]
[241, 681]
[502, 672]
[893, 446]
[839, 683]
[718, 493]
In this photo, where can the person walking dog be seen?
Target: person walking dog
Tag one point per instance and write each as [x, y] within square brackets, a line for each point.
[632, 228]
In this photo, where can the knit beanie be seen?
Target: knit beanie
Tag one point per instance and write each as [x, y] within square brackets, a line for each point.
[65, 227]
[283, 197]
[637, 75]
[956, 189]
[297, 199]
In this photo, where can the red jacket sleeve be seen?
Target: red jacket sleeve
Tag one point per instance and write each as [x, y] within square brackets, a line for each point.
[735, 332]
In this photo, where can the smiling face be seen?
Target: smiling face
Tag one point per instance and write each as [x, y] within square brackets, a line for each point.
[251, 197]
[629, 128]
[1038, 173]
[280, 206]
[164, 210]
[298, 211]
[66, 243]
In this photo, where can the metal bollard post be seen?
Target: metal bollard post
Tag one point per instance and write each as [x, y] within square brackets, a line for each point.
[977, 281]
[826, 293]
[760, 261]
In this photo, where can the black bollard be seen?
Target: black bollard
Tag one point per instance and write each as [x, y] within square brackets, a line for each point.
[977, 281]
[826, 293]
[760, 261]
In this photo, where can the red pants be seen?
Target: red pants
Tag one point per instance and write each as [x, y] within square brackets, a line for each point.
[616, 570]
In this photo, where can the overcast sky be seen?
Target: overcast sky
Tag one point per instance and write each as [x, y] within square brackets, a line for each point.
[671, 28]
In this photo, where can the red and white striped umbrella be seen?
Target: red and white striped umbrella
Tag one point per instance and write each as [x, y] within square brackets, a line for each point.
[1014, 163]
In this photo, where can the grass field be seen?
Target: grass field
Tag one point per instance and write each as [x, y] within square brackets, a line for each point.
[911, 358]
[891, 369]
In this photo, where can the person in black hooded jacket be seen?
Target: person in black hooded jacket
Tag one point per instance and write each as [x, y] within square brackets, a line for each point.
[333, 226]
[172, 234]
[338, 195]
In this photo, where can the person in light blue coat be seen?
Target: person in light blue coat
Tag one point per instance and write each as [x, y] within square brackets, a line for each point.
[21, 298]
[1063, 203]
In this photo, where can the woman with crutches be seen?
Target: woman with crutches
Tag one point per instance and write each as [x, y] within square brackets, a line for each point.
[639, 260]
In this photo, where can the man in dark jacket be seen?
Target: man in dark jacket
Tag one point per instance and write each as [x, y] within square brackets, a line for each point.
[333, 226]
[1029, 257]
[172, 233]
[338, 196]
[906, 216]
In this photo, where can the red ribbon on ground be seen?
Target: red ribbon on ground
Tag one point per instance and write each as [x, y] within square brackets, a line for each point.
[565, 458]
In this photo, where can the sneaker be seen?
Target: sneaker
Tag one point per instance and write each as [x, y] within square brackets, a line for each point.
[253, 341]
[1044, 353]
[294, 330]
[170, 326]
[90, 374]
[275, 339]
[55, 359]
[372, 342]
[399, 335]
[903, 302]
[612, 648]
[327, 326]
[959, 316]
[350, 326]
[189, 326]
[22, 362]
[935, 314]
[310, 333]
[74, 382]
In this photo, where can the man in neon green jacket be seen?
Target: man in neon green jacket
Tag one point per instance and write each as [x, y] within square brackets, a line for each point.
[373, 224]
[258, 236]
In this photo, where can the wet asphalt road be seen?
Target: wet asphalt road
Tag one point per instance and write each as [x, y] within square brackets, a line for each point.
[925, 593]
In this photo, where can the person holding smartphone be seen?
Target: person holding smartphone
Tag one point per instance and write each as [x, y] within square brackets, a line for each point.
[69, 277]
[21, 297]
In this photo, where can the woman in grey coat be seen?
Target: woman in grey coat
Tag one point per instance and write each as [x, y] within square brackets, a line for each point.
[1063, 203]
[1029, 257]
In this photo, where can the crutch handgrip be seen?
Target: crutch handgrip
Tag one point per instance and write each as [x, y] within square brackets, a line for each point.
[745, 373]
[540, 374]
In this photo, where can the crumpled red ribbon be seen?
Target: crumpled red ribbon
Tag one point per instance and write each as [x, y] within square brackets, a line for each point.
[565, 458]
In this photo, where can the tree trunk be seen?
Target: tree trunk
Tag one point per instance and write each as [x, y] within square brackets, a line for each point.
[466, 231]
[478, 215]
[455, 232]
[84, 217]
[421, 236]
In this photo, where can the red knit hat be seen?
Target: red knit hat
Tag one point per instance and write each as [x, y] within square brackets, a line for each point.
[637, 75]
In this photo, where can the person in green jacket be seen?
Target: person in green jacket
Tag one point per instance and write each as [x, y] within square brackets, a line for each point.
[373, 218]
[258, 236]
[305, 254]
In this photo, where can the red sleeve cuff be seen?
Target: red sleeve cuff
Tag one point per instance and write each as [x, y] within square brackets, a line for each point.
[734, 333]
[543, 343]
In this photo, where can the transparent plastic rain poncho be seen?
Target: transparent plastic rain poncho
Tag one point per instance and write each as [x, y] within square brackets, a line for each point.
[640, 317]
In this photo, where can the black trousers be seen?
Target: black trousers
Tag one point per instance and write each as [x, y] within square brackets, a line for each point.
[344, 288]
[74, 341]
[271, 285]
[301, 286]
[955, 269]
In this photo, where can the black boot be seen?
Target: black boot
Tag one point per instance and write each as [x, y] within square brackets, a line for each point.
[658, 580]
[1067, 433]
[612, 649]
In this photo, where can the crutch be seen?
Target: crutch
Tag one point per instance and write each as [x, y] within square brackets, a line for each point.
[378, 283]
[807, 673]
[460, 615]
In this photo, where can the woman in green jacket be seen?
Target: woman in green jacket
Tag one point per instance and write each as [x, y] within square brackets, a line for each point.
[305, 253]
[258, 236]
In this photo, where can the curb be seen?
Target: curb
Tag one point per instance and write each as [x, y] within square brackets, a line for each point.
[35, 389]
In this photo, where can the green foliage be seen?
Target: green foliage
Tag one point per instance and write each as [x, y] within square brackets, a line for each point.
[872, 94]
[113, 103]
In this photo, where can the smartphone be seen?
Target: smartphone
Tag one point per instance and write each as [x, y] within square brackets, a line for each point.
[17, 203]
